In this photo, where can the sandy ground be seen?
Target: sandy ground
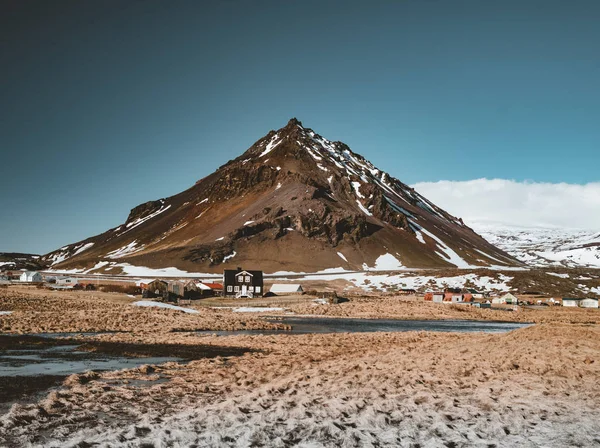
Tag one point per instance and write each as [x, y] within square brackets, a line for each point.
[533, 387]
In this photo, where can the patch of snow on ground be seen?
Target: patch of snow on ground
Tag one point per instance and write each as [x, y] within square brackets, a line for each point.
[362, 207]
[278, 186]
[5, 313]
[253, 309]
[453, 257]
[142, 271]
[270, 146]
[490, 257]
[82, 248]
[387, 262]
[341, 255]
[219, 239]
[148, 303]
[247, 223]
[133, 224]
[131, 248]
[556, 274]
[98, 265]
[227, 257]
[418, 233]
[356, 186]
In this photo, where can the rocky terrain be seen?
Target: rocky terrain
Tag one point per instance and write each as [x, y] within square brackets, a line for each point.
[294, 201]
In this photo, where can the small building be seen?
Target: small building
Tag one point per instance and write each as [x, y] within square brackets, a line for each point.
[31, 277]
[453, 295]
[506, 299]
[157, 288]
[217, 288]
[580, 302]
[175, 289]
[241, 283]
[66, 281]
[435, 297]
[589, 303]
[13, 275]
[286, 288]
[475, 294]
[143, 283]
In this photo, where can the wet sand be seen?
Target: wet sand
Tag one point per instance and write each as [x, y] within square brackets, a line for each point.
[24, 388]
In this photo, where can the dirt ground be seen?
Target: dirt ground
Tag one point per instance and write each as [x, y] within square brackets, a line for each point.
[532, 387]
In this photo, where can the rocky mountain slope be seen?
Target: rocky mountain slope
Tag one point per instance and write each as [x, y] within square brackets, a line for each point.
[294, 201]
[544, 247]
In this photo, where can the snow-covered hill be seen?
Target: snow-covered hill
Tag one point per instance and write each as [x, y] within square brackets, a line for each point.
[539, 246]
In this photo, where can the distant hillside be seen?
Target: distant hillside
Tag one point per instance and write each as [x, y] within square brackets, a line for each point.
[17, 261]
[545, 247]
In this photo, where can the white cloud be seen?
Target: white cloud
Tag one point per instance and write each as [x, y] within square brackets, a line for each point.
[526, 204]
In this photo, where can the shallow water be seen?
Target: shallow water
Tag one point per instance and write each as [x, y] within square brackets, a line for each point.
[48, 359]
[311, 325]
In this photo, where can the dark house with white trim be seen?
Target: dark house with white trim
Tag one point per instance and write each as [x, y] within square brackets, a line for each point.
[241, 283]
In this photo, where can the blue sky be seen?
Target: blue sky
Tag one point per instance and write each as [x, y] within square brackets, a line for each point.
[109, 104]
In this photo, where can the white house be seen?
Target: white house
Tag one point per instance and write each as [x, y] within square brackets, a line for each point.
[66, 281]
[30, 277]
[505, 299]
[583, 303]
[286, 288]
[589, 303]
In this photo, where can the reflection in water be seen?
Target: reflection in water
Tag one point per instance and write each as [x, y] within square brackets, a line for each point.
[310, 325]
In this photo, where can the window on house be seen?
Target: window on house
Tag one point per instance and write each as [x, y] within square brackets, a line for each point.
[247, 279]
[229, 288]
[251, 288]
[257, 288]
[236, 289]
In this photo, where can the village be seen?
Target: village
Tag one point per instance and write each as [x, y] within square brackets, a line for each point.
[250, 285]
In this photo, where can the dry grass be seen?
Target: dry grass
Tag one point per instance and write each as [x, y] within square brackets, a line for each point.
[402, 307]
[531, 387]
[536, 386]
[37, 312]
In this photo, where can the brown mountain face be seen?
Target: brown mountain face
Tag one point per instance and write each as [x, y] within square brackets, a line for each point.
[294, 201]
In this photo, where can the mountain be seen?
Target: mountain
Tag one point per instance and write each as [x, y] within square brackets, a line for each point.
[17, 261]
[545, 247]
[294, 201]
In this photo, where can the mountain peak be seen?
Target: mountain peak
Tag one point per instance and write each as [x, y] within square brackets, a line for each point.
[291, 195]
[294, 122]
